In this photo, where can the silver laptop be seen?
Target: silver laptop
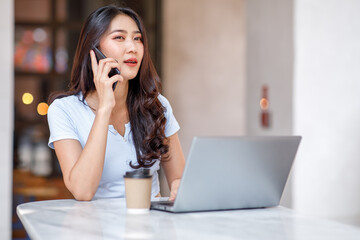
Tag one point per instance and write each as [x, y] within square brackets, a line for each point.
[233, 173]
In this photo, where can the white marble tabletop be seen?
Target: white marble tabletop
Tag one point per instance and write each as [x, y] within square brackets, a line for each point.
[108, 219]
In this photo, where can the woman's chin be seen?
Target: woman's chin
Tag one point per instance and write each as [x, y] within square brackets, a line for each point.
[129, 77]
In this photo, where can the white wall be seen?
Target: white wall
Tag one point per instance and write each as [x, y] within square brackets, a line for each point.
[6, 122]
[203, 70]
[314, 92]
[269, 61]
[204, 66]
[327, 108]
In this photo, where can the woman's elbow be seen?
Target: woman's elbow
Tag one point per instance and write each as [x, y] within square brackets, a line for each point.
[80, 194]
[83, 196]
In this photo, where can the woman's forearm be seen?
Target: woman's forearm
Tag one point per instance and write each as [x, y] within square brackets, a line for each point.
[86, 173]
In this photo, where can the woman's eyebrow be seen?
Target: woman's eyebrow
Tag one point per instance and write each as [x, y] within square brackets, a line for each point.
[123, 31]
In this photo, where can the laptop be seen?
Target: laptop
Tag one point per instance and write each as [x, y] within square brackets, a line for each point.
[223, 173]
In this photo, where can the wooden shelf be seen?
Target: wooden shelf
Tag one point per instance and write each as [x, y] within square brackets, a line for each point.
[28, 185]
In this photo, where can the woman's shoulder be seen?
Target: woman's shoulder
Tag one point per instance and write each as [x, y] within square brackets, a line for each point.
[164, 101]
[67, 102]
[166, 104]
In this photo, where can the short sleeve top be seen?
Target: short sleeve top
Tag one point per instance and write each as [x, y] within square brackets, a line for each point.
[70, 118]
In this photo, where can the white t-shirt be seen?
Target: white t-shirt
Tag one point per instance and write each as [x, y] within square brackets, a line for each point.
[69, 118]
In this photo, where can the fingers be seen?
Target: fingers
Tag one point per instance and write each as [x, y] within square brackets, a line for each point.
[173, 195]
[116, 78]
[103, 84]
[101, 70]
[94, 64]
[107, 66]
[174, 189]
[104, 73]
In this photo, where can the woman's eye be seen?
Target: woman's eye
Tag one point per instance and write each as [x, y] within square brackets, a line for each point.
[119, 37]
[138, 39]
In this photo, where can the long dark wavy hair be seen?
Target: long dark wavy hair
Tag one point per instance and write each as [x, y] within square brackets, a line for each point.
[146, 112]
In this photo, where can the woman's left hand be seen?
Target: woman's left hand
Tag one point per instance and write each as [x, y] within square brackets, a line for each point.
[174, 188]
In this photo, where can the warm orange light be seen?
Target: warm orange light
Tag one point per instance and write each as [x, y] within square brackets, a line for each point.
[42, 108]
[27, 98]
[264, 104]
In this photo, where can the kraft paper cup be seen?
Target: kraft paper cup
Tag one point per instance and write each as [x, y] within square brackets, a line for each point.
[138, 191]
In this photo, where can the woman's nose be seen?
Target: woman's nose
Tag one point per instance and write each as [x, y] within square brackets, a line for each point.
[130, 46]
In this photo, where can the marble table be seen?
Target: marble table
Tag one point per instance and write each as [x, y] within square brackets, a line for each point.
[108, 219]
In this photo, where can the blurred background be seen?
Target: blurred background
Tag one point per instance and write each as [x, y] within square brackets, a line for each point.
[231, 67]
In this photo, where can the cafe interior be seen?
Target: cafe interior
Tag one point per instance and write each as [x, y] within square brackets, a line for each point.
[229, 68]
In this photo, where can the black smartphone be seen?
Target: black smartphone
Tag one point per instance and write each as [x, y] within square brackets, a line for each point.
[113, 71]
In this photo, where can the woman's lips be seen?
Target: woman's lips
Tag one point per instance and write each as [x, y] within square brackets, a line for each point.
[132, 62]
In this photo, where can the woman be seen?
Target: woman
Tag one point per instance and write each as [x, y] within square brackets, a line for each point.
[99, 133]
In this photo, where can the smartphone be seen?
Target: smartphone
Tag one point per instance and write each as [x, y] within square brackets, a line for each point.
[113, 71]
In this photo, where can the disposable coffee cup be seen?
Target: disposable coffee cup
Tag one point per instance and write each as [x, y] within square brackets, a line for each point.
[138, 190]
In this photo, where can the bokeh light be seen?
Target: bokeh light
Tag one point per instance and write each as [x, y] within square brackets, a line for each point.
[27, 98]
[264, 104]
[42, 108]
[39, 35]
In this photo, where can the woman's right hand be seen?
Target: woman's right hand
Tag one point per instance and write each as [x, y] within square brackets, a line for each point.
[103, 83]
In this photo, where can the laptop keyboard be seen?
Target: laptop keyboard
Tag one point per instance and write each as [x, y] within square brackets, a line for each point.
[167, 203]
